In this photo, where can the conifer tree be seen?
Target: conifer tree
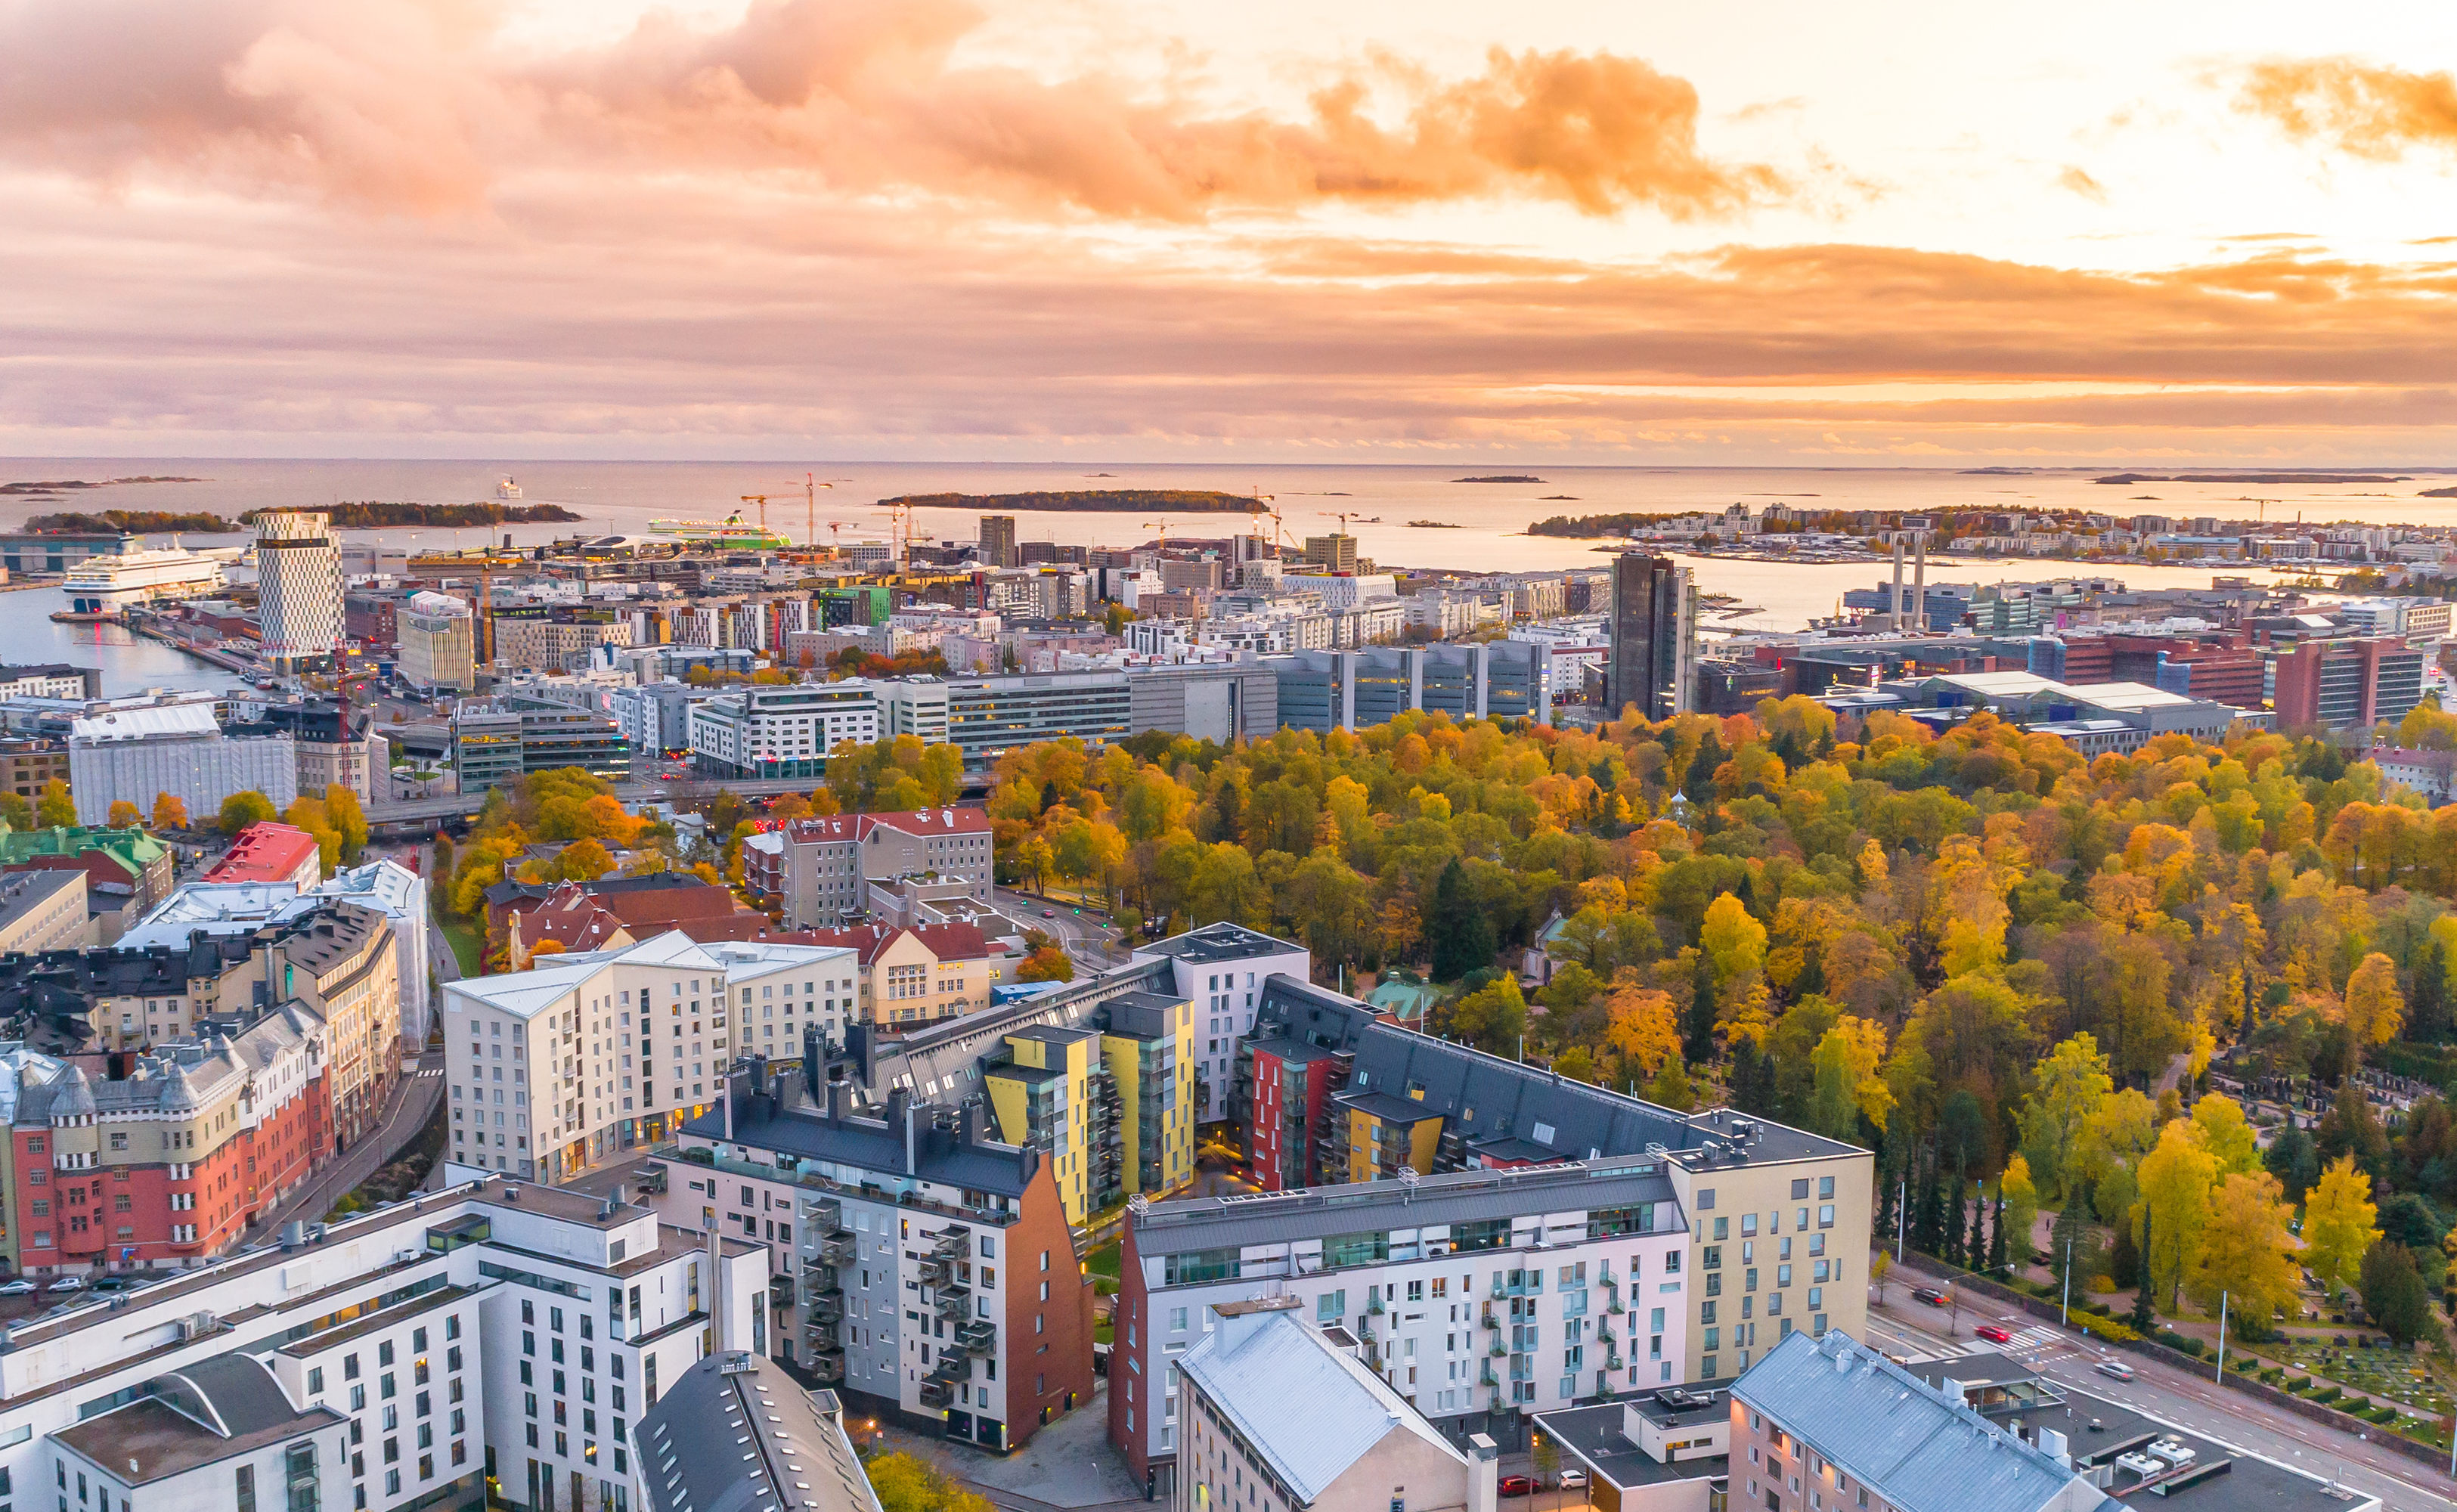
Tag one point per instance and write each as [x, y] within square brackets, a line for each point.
[2145, 1318]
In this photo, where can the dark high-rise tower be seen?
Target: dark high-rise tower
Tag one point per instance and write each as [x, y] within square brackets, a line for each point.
[1654, 637]
[998, 541]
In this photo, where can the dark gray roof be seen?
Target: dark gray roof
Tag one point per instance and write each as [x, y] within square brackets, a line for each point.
[1592, 1435]
[941, 1151]
[1214, 943]
[735, 1434]
[1466, 1196]
[938, 1062]
[227, 1405]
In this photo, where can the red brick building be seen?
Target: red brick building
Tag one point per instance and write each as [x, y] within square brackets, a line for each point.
[267, 852]
[169, 1166]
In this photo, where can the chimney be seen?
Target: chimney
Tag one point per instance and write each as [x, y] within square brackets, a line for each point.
[721, 1317]
[1484, 1474]
[969, 1124]
[836, 1101]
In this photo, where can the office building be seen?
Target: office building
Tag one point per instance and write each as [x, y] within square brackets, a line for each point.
[998, 541]
[554, 641]
[1356, 689]
[1654, 633]
[298, 586]
[136, 755]
[782, 732]
[2422, 623]
[335, 746]
[655, 717]
[935, 1278]
[1281, 1415]
[625, 1043]
[2094, 720]
[1332, 553]
[50, 680]
[28, 764]
[496, 742]
[2346, 683]
[436, 643]
[799, 1458]
[986, 717]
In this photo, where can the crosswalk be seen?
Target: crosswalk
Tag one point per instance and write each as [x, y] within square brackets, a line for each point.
[436, 1070]
[2042, 1343]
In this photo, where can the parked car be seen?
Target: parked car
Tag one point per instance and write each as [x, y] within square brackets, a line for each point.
[66, 1283]
[1517, 1485]
[18, 1287]
[1572, 1480]
[1929, 1295]
[1994, 1333]
[117, 1283]
[2114, 1369]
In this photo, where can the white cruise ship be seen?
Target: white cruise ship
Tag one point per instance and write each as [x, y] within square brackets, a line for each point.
[102, 583]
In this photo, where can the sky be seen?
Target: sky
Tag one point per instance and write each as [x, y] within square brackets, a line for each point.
[1753, 234]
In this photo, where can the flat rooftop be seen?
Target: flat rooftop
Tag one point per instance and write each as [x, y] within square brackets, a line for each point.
[1594, 1435]
[1215, 943]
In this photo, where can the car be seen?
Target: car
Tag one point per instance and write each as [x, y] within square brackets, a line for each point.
[1929, 1295]
[19, 1287]
[1994, 1333]
[1517, 1485]
[2114, 1370]
[66, 1283]
[1050, 913]
[1572, 1480]
[117, 1283]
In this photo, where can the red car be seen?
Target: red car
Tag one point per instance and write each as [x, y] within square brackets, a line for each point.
[1517, 1485]
[1992, 1334]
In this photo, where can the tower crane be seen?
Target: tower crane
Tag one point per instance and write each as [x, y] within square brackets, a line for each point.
[1343, 516]
[1162, 526]
[759, 499]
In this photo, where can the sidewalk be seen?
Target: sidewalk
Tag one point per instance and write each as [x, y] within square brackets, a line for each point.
[1068, 1464]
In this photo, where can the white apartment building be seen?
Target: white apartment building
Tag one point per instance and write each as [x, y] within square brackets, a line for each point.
[782, 732]
[1221, 969]
[385, 1364]
[552, 1069]
[2423, 623]
[435, 641]
[656, 717]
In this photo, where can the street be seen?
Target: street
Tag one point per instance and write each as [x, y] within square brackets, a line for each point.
[415, 1098]
[2197, 1403]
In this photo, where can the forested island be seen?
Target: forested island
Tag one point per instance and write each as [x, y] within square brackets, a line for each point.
[1587, 527]
[1502, 477]
[68, 485]
[2129, 478]
[134, 522]
[368, 514]
[1182, 501]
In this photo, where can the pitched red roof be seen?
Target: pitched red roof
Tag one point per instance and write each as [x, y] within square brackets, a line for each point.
[264, 852]
[946, 942]
[667, 907]
[572, 918]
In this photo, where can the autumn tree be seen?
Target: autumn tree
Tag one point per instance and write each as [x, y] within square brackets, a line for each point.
[2174, 1179]
[2066, 1088]
[124, 814]
[2375, 1010]
[241, 810]
[55, 808]
[2247, 1249]
[169, 812]
[2340, 1223]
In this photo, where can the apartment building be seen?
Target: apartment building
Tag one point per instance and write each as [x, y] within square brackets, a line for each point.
[915, 974]
[1480, 1296]
[436, 645]
[170, 1165]
[1111, 1101]
[781, 732]
[820, 871]
[400, 1361]
[29, 765]
[44, 910]
[1221, 969]
[2346, 683]
[736, 1395]
[620, 1047]
[1282, 1415]
[935, 1278]
[117, 864]
[553, 644]
[1328, 1094]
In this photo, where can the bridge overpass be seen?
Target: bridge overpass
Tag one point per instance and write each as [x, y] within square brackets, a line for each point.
[397, 820]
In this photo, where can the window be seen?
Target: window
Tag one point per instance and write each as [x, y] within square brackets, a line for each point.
[246, 1488]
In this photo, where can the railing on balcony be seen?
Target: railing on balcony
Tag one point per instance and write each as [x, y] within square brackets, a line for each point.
[954, 1302]
[937, 1271]
[828, 1368]
[952, 1368]
[978, 1334]
[953, 1244]
[938, 1393]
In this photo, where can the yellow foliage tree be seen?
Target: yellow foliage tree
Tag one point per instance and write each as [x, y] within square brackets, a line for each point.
[2338, 1223]
[2375, 1009]
[1642, 1028]
[2174, 1179]
[2247, 1249]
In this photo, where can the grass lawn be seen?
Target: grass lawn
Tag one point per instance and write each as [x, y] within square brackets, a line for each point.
[466, 944]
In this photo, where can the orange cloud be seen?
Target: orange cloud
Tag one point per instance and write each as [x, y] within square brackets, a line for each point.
[417, 106]
[2364, 110]
[2082, 184]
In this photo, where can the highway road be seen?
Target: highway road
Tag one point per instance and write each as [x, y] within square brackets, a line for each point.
[2179, 1398]
[465, 805]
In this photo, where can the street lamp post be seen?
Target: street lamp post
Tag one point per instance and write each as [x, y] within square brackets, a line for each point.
[2066, 1320]
[2222, 1324]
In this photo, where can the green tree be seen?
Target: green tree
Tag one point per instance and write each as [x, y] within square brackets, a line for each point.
[1462, 936]
[2395, 1294]
[1671, 1087]
[904, 1482]
[1491, 1018]
[2145, 1309]
[2021, 1198]
[241, 810]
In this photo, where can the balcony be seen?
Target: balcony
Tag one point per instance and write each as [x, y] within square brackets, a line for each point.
[952, 1368]
[954, 1302]
[827, 1369]
[827, 1310]
[954, 1244]
[834, 1249]
[1614, 1362]
[979, 1336]
[1488, 1378]
[1491, 1319]
[1374, 1305]
[938, 1393]
[1498, 1349]
[937, 1271]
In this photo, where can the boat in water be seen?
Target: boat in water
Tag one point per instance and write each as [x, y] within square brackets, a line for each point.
[102, 585]
[734, 533]
[507, 490]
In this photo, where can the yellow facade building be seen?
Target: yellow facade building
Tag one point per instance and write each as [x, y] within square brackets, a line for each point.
[1111, 1104]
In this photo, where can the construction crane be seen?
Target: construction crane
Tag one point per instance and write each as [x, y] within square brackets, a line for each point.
[1162, 526]
[1343, 516]
[811, 488]
[759, 499]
